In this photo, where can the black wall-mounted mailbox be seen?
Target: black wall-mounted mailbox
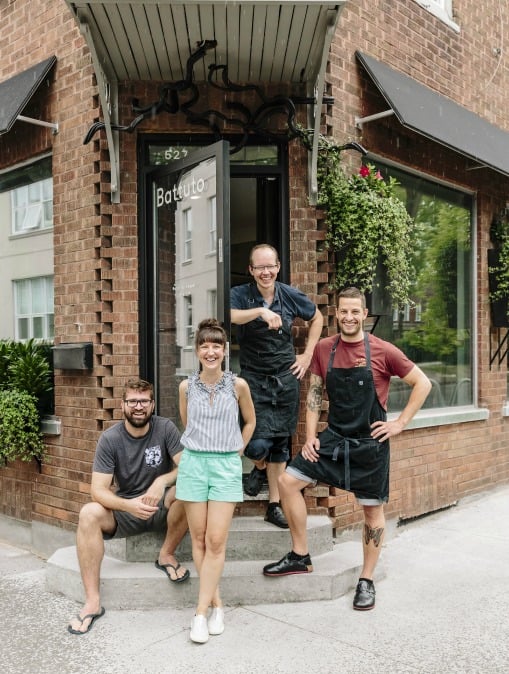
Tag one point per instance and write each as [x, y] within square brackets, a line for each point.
[73, 356]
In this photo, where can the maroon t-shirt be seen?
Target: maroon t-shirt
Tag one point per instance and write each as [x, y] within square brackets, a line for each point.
[386, 361]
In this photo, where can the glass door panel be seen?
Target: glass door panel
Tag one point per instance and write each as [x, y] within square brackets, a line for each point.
[190, 229]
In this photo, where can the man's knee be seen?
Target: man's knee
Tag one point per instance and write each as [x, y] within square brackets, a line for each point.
[288, 484]
[94, 515]
[374, 516]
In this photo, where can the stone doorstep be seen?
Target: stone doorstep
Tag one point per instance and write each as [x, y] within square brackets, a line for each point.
[250, 538]
[139, 585]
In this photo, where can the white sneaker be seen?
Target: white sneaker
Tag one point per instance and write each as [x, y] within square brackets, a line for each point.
[199, 632]
[216, 621]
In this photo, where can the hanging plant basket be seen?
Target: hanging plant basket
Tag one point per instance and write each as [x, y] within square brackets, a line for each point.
[366, 223]
[499, 301]
[498, 271]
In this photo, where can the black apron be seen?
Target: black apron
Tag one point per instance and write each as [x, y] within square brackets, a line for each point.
[265, 358]
[362, 461]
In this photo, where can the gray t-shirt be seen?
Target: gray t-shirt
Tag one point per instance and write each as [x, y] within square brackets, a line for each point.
[136, 462]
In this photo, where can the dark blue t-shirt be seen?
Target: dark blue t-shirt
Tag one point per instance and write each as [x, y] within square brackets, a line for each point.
[289, 302]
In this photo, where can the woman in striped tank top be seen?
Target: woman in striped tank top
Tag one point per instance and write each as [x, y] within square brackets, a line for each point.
[209, 478]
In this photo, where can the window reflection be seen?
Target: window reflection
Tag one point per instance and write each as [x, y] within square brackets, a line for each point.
[435, 331]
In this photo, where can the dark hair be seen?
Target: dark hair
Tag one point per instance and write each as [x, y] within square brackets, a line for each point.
[353, 293]
[138, 385]
[259, 247]
[210, 330]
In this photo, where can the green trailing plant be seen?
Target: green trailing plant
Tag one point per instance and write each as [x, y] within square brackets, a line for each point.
[366, 225]
[20, 434]
[499, 270]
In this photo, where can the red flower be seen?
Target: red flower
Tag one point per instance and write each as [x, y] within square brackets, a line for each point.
[364, 171]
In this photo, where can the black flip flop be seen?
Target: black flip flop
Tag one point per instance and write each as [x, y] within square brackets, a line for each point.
[90, 616]
[165, 567]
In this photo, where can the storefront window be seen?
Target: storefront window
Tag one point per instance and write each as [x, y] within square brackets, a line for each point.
[435, 331]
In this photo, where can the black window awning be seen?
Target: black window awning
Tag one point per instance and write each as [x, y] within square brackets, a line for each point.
[419, 108]
[16, 92]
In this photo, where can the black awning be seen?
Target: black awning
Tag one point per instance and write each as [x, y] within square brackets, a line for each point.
[16, 92]
[437, 117]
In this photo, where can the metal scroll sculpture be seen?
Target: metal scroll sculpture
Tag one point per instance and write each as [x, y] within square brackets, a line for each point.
[183, 95]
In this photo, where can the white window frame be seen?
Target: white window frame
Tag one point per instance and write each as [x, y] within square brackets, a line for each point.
[188, 321]
[32, 207]
[442, 9]
[187, 235]
[31, 314]
[212, 302]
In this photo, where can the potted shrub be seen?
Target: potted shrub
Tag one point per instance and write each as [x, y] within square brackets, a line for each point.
[20, 434]
[26, 376]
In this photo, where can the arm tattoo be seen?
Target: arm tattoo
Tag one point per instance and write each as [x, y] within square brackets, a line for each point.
[374, 535]
[314, 398]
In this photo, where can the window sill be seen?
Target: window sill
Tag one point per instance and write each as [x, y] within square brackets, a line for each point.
[445, 415]
[14, 236]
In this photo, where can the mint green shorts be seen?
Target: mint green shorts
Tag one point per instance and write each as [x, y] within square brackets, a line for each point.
[210, 476]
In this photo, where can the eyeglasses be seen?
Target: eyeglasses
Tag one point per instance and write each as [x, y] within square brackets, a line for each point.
[262, 267]
[133, 402]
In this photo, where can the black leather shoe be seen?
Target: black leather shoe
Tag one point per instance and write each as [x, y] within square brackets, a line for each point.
[275, 515]
[288, 566]
[364, 599]
[254, 482]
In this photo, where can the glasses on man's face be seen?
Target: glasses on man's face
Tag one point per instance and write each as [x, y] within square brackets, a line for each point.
[134, 402]
[263, 267]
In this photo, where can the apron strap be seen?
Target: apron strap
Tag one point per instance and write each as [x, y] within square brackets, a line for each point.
[335, 346]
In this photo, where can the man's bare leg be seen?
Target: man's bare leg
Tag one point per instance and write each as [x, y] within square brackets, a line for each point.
[93, 521]
[372, 538]
[274, 472]
[294, 507]
[175, 532]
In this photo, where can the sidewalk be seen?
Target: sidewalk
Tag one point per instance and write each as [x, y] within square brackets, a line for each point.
[442, 609]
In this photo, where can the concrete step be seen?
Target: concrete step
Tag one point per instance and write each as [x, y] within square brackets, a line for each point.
[250, 538]
[139, 585]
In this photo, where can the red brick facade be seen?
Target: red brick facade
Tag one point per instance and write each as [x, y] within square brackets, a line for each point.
[96, 242]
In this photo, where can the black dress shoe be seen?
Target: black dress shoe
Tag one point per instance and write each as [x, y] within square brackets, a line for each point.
[288, 566]
[254, 482]
[275, 515]
[364, 599]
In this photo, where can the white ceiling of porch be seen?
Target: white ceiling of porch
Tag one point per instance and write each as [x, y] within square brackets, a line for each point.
[260, 41]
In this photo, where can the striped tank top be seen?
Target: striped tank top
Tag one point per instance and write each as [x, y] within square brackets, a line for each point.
[212, 416]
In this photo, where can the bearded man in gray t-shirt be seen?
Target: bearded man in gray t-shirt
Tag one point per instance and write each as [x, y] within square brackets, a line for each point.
[139, 456]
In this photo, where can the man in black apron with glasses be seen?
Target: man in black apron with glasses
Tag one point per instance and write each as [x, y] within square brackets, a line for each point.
[264, 312]
[353, 452]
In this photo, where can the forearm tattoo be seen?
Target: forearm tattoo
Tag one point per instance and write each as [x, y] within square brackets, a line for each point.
[314, 398]
[374, 535]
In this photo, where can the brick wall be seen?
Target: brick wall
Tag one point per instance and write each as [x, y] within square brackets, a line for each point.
[96, 242]
[431, 467]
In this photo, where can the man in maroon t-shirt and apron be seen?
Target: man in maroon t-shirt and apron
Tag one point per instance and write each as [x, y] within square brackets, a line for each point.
[353, 452]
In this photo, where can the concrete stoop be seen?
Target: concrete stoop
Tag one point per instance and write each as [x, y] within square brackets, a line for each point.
[139, 585]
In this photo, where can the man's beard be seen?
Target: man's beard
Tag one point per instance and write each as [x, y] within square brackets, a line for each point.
[138, 422]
